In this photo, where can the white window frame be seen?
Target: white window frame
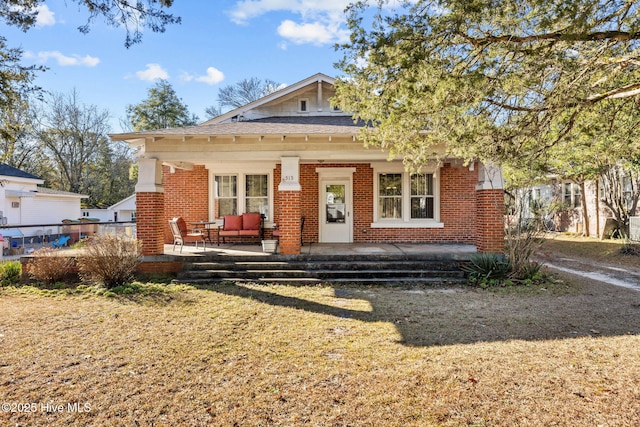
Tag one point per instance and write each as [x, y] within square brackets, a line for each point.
[237, 196]
[406, 221]
[573, 190]
[306, 102]
[241, 188]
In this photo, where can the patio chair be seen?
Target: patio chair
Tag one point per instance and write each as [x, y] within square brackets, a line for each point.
[181, 234]
[61, 241]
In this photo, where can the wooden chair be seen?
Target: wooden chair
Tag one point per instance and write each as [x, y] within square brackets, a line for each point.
[181, 234]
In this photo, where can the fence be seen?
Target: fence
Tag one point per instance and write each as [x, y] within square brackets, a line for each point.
[20, 239]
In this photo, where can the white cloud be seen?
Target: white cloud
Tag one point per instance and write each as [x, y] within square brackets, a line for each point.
[212, 77]
[316, 33]
[186, 77]
[321, 21]
[46, 17]
[64, 60]
[152, 72]
[245, 10]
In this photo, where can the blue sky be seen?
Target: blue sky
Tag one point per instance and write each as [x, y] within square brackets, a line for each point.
[217, 44]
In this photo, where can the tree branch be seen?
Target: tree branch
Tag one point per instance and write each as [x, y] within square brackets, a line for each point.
[555, 36]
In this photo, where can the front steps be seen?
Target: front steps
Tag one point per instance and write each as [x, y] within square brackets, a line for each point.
[355, 269]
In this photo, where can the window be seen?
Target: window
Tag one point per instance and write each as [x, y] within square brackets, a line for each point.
[390, 195]
[422, 197]
[85, 214]
[237, 194]
[572, 195]
[257, 194]
[15, 205]
[406, 200]
[302, 105]
[227, 195]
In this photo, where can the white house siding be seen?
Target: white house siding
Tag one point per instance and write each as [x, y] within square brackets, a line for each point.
[103, 215]
[43, 209]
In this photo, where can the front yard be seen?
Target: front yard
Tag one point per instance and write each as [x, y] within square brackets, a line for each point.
[567, 354]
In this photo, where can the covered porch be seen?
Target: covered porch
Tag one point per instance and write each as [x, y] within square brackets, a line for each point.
[458, 251]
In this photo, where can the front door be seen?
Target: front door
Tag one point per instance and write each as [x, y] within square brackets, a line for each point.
[335, 211]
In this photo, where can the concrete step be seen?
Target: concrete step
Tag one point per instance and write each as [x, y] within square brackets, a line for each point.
[363, 270]
[322, 265]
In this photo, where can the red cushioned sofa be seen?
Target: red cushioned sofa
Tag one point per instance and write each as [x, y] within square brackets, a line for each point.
[240, 226]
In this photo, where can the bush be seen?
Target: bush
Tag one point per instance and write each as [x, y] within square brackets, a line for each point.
[630, 248]
[496, 270]
[486, 269]
[49, 266]
[10, 273]
[109, 260]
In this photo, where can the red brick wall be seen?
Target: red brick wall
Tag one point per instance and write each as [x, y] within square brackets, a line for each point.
[457, 206]
[186, 195]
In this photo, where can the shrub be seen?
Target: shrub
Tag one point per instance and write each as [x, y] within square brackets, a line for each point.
[487, 269]
[630, 248]
[49, 266]
[109, 260]
[10, 273]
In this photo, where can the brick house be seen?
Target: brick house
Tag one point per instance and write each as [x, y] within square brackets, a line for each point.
[291, 155]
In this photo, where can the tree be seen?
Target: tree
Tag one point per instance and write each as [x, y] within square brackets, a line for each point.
[17, 145]
[242, 93]
[16, 80]
[134, 17]
[494, 80]
[81, 158]
[162, 109]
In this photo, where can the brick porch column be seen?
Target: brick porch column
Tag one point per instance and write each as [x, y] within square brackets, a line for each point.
[490, 210]
[150, 207]
[289, 222]
[290, 212]
[149, 222]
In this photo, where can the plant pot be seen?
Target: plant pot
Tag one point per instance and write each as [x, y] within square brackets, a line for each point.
[269, 246]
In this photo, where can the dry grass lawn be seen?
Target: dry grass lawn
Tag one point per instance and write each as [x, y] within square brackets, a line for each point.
[255, 355]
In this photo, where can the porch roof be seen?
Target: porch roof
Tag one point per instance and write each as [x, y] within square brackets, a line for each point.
[304, 125]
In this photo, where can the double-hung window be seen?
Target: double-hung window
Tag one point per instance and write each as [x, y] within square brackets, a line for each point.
[422, 196]
[572, 195]
[257, 194]
[390, 195]
[237, 194]
[405, 199]
[227, 186]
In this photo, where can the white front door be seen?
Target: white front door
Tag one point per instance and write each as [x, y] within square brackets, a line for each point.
[335, 211]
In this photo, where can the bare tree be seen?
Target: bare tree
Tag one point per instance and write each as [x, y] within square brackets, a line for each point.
[73, 135]
[242, 93]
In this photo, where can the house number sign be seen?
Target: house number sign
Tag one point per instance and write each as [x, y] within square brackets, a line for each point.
[290, 178]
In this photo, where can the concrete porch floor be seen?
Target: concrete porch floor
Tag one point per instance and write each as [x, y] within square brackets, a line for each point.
[456, 251]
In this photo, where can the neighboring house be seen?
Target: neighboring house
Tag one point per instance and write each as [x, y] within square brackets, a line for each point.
[24, 202]
[291, 155]
[561, 201]
[125, 209]
[122, 211]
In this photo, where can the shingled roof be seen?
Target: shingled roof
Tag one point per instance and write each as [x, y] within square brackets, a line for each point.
[310, 125]
[7, 170]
